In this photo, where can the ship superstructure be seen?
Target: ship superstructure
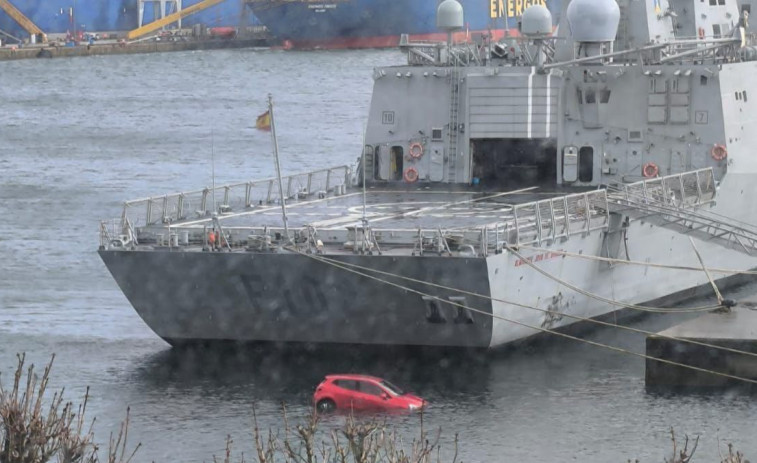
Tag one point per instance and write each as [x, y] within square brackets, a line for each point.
[487, 166]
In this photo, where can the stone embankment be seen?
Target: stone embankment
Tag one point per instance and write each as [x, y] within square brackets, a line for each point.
[122, 48]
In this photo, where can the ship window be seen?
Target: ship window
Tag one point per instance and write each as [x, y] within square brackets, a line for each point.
[713, 2]
[743, 95]
[590, 96]
[436, 134]
[703, 80]
[747, 8]
[721, 2]
[716, 31]
[604, 95]
[580, 96]
[634, 135]
[586, 164]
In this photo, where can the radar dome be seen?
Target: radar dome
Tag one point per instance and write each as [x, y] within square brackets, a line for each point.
[449, 15]
[536, 21]
[593, 20]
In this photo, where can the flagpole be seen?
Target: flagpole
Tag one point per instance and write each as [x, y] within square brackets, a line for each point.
[278, 168]
[213, 169]
[365, 220]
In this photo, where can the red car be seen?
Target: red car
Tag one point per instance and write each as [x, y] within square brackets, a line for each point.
[361, 392]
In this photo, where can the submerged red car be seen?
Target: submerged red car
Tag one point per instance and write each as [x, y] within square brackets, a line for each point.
[361, 392]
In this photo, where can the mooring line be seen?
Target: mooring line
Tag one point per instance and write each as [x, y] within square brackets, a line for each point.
[636, 262]
[606, 300]
[537, 328]
[526, 306]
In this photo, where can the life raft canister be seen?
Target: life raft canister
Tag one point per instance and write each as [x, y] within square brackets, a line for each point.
[719, 152]
[410, 175]
[415, 150]
[650, 169]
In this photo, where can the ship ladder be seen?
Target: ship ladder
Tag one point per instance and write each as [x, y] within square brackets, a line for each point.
[694, 222]
[454, 103]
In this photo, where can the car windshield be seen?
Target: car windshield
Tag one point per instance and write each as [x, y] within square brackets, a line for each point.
[392, 388]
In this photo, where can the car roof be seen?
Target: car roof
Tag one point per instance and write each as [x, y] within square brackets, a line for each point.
[354, 377]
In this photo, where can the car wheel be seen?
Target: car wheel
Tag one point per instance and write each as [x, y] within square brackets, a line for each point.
[325, 406]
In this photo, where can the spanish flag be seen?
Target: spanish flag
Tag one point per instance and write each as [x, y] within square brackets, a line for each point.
[263, 121]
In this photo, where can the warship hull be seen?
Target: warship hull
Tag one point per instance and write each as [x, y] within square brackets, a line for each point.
[285, 297]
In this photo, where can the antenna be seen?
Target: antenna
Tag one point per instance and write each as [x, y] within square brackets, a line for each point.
[278, 168]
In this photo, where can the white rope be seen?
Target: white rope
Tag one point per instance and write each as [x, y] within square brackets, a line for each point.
[345, 267]
[636, 262]
[610, 301]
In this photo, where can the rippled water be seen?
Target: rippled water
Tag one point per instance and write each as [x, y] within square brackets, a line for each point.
[79, 136]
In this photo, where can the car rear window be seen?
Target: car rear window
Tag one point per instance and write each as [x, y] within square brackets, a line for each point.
[348, 384]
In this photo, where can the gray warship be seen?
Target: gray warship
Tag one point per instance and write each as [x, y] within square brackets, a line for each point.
[504, 189]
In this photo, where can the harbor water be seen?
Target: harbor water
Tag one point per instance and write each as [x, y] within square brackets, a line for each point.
[79, 136]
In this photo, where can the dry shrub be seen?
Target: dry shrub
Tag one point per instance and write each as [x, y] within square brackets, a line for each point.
[733, 456]
[356, 441]
[35, 430]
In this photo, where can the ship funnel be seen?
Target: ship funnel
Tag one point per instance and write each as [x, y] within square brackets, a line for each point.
[449, 16]
[536, 22]
[593, 25]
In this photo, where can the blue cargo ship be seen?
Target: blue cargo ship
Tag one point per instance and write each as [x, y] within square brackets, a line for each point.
[61, 16]
[379, 23]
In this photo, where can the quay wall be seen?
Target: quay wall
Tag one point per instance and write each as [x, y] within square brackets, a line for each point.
[130, 48]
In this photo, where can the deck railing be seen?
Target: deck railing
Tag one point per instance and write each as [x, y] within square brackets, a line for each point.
[236, 197]
[687, 189]
[539, 222]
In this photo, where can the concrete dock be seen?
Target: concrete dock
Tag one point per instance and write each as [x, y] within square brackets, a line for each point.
[735, 330]
[114, 48]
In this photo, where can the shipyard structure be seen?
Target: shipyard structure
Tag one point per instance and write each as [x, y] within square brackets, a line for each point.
[22, 19]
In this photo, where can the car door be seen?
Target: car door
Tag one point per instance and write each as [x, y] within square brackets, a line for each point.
[372, 396]
[346, 392]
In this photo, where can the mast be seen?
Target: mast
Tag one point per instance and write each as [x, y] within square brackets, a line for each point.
[278, 168]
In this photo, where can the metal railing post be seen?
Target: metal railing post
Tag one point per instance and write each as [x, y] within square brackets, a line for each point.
[588, 212]
[204, 201]
[180, 207]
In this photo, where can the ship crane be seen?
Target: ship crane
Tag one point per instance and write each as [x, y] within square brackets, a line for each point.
[171, 18]
[22, 20]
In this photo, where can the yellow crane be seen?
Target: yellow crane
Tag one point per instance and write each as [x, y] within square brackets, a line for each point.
[157, 24]
[22, 20]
